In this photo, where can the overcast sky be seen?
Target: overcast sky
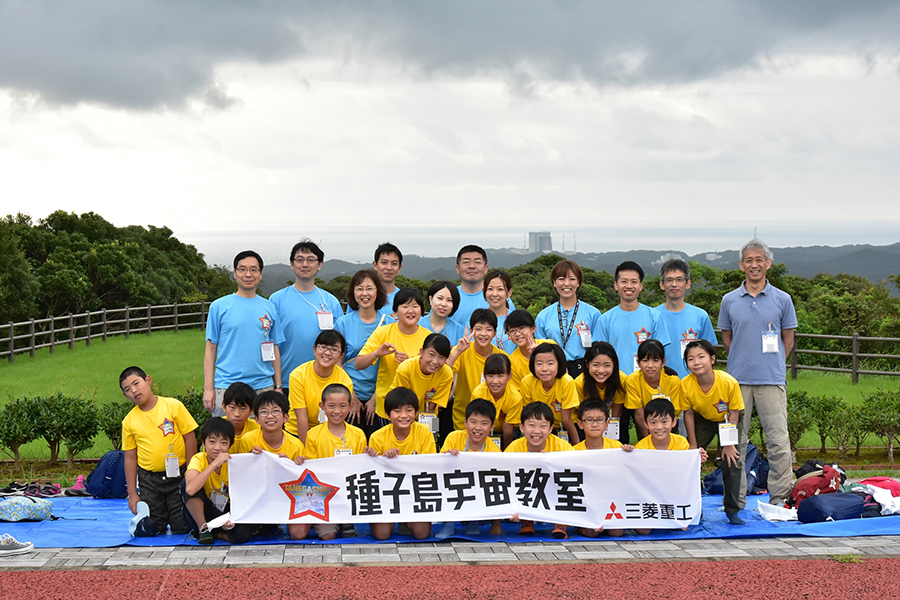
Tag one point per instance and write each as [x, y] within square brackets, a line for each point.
[663, 125]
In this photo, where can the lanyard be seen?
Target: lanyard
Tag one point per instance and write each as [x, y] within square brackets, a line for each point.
[565, 335]
[321, 295]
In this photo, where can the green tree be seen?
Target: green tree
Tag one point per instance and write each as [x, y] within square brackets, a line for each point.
[881, 415]
[823, 409]
[18, 425]
[799, 418]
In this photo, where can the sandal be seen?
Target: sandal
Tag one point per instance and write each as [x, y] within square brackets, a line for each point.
[559, 532]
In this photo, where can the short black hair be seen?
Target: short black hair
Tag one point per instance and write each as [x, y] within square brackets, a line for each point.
[471, 248]
[482, 408]
[239, 393]
[388, 248]
[398, 398]
[454, 294]
[271, 398]
[336, 388]
[484, 316]
[497, 364]
[404, 295]
[248, 254]
[132, 371]
[537, 410]
[330, 337]
[592, 404]
[518, 318]
[629, 265]
[439, 342]
[556, 351]
[221, 427]
[674, 264]
[309, 246]
[659, 407]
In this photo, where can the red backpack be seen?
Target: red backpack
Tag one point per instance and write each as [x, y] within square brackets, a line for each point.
[824, 481]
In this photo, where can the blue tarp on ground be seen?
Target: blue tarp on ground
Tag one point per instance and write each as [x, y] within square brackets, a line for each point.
[89, 523]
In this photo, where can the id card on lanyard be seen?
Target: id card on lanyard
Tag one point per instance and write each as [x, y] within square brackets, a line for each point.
[172, 467]
[563, 333]
[770, 340]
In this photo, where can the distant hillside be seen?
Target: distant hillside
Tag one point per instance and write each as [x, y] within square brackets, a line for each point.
[872, 262]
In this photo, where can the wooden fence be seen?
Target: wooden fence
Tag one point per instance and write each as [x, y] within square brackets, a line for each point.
[51, 332]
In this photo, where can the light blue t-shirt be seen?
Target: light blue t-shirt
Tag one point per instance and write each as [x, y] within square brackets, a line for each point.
[625, 330]
[452, 330]
[691, 323]
[357, 333]
[586, 317]
[469, 302]
[239, 326]
[300, 324]
[747, 317]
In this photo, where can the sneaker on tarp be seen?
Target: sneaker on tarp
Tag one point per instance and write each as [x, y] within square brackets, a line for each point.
[206, 537]
[10, 545]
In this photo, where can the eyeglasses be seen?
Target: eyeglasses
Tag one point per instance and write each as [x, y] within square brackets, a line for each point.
[275, 412]
[328, 349]
[593, 421]
[360, 289]
[468, 261]
[309, 260]
[671, 280]
[244, 270]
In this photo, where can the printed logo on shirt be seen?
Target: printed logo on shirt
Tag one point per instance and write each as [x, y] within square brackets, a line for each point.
[721, 406]
[167, 427]
[429, 394]
[642, 335]
[266, 322]
[557, 406]
[690, 334]
[309, 496]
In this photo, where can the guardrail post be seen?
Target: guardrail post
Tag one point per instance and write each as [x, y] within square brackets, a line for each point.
[87, 326]
[127, 322]
[176, 317]
[12, 342]
[71, 332]
[31, 336]
[794, 359]
[854, 365]
[203, 315]
[52, 335]
[103, 326]
[149, 319]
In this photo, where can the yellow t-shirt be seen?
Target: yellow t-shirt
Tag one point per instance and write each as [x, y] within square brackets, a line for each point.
[249, 425]
[520, 364]
[321, 443]
[428, 388]
[638, 393]
[469, 368]
[724, 395]
[509, 404]
[676, 442]
[459, 440]
[608, 444]
[554, 444]
[387, 365]
[216, 482]
[290, 445]
[419, 441]
[158, 432]
[305, 391]
[561, 394]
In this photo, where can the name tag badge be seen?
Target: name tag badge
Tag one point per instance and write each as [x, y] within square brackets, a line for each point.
[429, 420]
[636, 366]
[684, 344]
[728, 434]
[343, 451]
[268, 351]
[172, 469]
[770, 342]
[495, 439]
[564, 436]
[612, 429]
[584, 332]
[326, 320]
[322, 418]
[220, 501]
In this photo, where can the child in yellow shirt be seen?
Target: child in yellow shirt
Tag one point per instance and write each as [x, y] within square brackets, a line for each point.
[652, 380]
[309, 379]
[537, 436]
[497, 389]
[237, 402]
[403, 436]
[428, 374]
[550, 383]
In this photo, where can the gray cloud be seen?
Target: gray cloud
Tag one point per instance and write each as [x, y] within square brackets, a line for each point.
[144, 55]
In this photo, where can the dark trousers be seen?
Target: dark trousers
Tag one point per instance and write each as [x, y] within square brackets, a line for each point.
[625, 420]
[240, 534]
[574, 367]
[163, 498]
[706, 431]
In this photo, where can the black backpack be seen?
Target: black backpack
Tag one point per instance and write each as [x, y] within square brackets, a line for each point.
[107, 480]
[757, 470]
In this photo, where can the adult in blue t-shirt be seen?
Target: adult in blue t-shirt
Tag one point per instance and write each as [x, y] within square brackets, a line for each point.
[243, 332]
[305, 309]
[387, 264]
[684, 322]
[471, 266]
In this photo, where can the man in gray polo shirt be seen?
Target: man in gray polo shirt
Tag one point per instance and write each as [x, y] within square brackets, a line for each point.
[758, 322]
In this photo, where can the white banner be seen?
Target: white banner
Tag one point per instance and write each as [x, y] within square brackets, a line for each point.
[644, 488]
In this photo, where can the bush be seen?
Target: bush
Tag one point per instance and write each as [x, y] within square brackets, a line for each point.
[111, 416]
[846, 427]
[68, 419]
[823, 409]
[799, 418]
[881, 416]
[18, 425]
[193, 401]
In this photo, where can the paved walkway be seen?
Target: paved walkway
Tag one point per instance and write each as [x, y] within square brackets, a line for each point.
[454, 552]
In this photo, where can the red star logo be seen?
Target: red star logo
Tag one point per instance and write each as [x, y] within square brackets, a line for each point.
[642, 335]
[266, 322]
[306, 494]
[690, 334]
[167, 427]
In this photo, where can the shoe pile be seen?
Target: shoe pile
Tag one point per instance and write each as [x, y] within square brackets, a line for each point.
[78, 489]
